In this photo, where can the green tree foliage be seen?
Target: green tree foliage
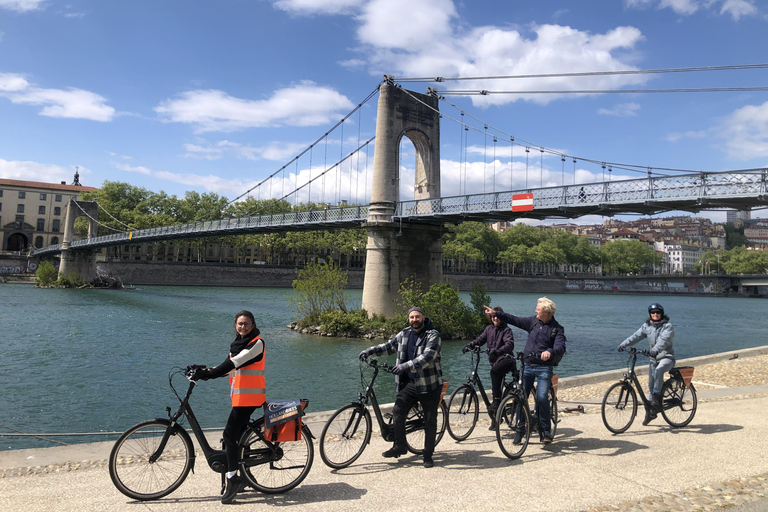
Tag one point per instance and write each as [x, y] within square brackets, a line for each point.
[625, 256]
[479, 298]
[734, 237]
[46, 274]
[319, 287]
[742, 261]
[472, 241]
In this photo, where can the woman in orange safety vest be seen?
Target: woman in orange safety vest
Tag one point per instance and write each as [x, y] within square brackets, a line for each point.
[245, 367]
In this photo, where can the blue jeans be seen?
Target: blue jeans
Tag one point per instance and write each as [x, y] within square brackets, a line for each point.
[656, 375]
[543, 377]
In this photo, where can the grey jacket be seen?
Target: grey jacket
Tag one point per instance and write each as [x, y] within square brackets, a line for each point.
[660, 336]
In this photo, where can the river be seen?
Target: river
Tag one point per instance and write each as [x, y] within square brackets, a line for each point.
[98, 360]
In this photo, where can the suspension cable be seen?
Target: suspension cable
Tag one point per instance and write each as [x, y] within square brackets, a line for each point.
[588, 73]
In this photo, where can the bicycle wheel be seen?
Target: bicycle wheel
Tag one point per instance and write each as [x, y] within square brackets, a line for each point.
[553, 410]
[414, 427]
[513, 423]
[345, 436]
[619, 407]
[463, 411]
[535, 426]
[274, 468]
[131, 470]
[678, 403]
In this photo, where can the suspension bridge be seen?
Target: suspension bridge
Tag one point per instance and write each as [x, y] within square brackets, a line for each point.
[404, 236]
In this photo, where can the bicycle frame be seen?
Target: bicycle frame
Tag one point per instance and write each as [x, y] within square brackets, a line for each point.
[474, 381]
[631, 377]
[369, 396]
[217, 459]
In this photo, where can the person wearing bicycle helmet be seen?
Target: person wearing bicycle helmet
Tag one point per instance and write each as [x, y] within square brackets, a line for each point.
[544, 348]
[418, 378]
[660, 333]
[245, 367]
[501, 344]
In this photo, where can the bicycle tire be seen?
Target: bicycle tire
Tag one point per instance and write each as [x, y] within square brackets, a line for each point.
[463, 411]
[274, 468]
[345, 436]
[138, 478]
[553, 413]
[553, 410]
[678, 404]
[414, 427]
[619, 407]
[513, 416]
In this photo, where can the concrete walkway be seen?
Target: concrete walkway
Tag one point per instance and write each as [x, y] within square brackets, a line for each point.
[716, 462]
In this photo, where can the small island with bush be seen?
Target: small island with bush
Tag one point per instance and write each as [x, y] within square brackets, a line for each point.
[320, 300]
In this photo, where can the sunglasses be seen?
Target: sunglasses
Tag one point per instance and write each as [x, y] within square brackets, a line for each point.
[655, 312]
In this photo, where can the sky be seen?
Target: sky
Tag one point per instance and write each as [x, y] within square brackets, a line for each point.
[206, 96]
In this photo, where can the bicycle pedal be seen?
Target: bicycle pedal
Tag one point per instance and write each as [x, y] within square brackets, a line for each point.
[388, 416]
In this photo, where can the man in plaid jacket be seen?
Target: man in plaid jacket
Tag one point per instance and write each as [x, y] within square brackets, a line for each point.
[418, 378]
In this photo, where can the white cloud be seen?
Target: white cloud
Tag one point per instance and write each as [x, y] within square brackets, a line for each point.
[305, 104]
[71, 103]
[309, 7]
[497, 51]
[736, 8]
[621, 110]
[746, 132]
[278, 151]
[21, 5]
[35, 171]
[674, 137]
[385, 24]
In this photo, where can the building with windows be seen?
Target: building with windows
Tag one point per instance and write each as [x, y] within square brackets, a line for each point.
[32, 213]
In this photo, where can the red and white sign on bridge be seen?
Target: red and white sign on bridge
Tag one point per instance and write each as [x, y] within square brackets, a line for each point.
[522, 202]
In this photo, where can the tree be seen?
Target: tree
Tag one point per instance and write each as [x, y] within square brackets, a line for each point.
[625, 256]
[319, 287]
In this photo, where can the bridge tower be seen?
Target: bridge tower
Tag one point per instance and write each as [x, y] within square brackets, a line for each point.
[81, 262]
[398, 251]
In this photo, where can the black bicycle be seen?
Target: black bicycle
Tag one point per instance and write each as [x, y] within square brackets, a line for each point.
[348, 431]
[678, 397]
[463, 406]
[153, 458]
[513, 418]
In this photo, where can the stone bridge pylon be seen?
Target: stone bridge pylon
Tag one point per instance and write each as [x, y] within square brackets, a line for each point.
[398, 251]
[82, 263]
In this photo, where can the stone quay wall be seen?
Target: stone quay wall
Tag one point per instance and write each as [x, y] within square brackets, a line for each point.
[212, 274]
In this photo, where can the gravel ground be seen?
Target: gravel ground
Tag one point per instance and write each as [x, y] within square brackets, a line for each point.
[746, 371]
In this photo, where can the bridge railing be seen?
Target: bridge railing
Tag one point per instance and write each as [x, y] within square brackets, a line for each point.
[347, 216]
[699, 187]
[648, 195]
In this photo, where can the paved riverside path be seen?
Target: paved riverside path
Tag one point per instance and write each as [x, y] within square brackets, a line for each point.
[586, 468]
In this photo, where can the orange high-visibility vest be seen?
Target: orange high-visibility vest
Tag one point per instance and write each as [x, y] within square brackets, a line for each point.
[247, 384]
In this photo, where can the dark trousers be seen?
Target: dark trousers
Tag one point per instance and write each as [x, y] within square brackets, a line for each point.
[238, 420]
[500, 368]
[429, 401]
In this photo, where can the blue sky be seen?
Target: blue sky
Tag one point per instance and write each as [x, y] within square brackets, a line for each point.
[216, 96]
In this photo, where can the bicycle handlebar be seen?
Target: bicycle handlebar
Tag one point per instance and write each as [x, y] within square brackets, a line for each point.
[633, 350]
[373, 363]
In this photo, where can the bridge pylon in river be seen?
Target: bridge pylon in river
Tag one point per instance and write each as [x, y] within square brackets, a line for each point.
[397, 251]
[80, 262]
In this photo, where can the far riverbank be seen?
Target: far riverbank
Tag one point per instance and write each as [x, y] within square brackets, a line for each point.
[209, 274]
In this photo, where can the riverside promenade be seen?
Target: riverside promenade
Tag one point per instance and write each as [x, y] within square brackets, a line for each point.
[718, 462]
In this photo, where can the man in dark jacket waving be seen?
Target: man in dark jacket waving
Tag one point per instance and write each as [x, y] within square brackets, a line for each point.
[419, 378]
[543, 349]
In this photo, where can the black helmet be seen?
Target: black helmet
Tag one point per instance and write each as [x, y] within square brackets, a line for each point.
[656, 307]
